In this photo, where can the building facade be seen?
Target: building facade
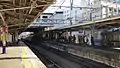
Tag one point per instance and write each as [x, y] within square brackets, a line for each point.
[75, 15]
[58, 18]
[103, 9]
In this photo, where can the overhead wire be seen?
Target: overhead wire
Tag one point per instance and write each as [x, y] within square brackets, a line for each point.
[51, 7]
[59, 2]
[63, 1]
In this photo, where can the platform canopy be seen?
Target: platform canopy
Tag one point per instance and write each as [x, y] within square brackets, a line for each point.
[105, 23]
[20, 13]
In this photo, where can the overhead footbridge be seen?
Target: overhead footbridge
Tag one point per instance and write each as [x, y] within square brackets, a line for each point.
[17, 14]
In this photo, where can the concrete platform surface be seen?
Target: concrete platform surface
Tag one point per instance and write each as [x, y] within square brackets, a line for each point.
[20, 57]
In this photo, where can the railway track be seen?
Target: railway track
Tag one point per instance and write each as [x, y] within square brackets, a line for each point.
[51, 63]
[47, 61]
[82, 61]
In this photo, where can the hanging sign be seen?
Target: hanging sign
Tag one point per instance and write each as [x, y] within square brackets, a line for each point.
[3, 29]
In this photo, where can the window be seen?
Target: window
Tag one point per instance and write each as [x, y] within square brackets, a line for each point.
[68, 11]
[115, 10]
[110, 9]
[119, 11]
[44, 16]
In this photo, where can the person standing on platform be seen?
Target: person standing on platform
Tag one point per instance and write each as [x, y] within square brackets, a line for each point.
[74, 38]
[4, 37]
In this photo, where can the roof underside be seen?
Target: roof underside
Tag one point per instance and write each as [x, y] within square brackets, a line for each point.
[20, 13]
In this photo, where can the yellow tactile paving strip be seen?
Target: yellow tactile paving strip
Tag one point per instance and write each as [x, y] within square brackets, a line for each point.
[20, 57]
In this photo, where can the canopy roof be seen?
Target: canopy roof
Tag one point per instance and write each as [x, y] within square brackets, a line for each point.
[20, 13]
[106, 23]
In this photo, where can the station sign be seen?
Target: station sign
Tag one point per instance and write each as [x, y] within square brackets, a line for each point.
[3, 28]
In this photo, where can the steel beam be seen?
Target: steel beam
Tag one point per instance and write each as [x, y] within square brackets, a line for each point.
[23, 8]
[2, 17]
[17, 14]
[17, 25]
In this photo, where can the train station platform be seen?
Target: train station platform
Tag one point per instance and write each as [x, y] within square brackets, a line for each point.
[107, 57]
[20, 57]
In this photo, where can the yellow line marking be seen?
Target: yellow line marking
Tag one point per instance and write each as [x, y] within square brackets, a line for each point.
[23, 55]
[26, 62]
[30, 63]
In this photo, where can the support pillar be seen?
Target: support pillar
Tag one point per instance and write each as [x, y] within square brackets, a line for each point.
[50, 35]
[92, 35]
[117, 9]
[70, 36]
[101, 11]
[107, 11]
[13, 37]
[56, 35]
[112, 11]
[16, 36]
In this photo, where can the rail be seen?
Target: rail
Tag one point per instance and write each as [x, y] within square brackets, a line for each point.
[47, 61]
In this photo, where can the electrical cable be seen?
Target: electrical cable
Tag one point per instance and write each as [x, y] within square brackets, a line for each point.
[60, 2]
[63, 1]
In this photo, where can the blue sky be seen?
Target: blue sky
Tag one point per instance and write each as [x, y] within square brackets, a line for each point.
[66, 3]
